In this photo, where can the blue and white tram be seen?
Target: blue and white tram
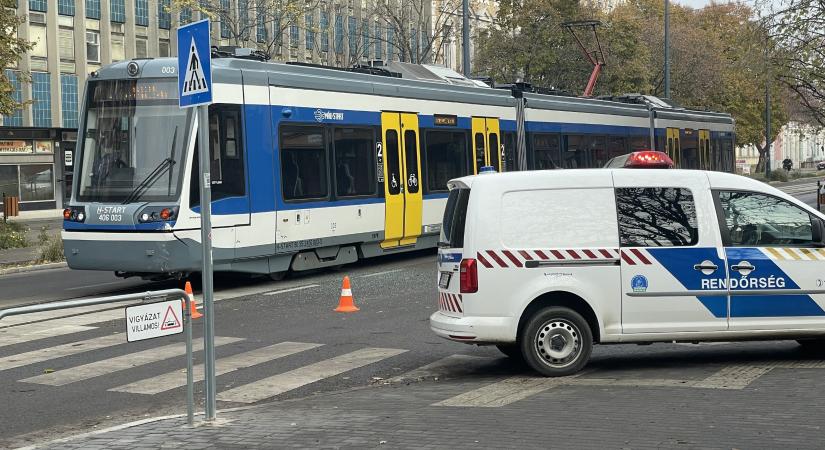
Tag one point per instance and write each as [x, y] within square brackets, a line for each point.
[313, 167]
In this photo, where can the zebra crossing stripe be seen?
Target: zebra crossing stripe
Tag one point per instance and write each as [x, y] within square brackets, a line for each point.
[504, 392]
[39, 330]
[172, 380]
[59, 351]
[287, 381]
[116, 364]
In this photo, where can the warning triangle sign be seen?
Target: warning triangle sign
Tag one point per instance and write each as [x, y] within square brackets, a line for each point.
[170, 320]
[194, 81]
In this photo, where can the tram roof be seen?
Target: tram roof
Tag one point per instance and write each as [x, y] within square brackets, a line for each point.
[416, 81]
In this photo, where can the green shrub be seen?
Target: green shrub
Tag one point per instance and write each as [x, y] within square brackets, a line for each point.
[51, 247]
[779, 175]
[12, 235]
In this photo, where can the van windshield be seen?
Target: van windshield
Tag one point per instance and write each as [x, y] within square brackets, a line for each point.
[455, 217]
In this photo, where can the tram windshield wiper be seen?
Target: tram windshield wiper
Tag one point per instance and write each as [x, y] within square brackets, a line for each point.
[154, 176]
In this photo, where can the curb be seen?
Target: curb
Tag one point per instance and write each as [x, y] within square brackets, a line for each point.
[34, 268]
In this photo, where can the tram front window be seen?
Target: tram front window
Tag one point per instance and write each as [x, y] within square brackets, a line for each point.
[133, 142]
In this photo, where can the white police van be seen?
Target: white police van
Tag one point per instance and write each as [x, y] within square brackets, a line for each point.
[544, 264]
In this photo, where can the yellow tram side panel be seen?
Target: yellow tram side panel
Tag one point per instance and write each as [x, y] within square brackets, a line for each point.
[413, 196]
[394, 203]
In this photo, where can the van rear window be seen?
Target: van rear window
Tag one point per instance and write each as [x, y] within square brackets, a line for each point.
[455, 217]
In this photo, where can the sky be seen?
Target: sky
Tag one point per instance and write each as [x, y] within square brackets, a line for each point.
[703, 3]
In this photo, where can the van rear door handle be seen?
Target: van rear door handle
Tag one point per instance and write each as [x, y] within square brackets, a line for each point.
[705, 267]
[738, 267]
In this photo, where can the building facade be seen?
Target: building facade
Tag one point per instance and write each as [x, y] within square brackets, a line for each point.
[73, 38]
[449, 47]
[803, 144]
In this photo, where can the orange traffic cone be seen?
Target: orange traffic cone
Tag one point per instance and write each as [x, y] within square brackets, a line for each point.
[346, 302]
[193, 311]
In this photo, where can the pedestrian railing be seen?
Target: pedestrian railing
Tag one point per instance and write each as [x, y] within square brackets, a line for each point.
[145, 298]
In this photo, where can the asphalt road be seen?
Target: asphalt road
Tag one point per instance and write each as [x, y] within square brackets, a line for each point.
[69, 388]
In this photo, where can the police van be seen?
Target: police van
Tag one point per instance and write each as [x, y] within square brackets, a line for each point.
[544, 264]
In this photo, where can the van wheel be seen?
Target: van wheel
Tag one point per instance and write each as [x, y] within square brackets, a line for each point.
[512, 351]
[556, 341]
[278, 276]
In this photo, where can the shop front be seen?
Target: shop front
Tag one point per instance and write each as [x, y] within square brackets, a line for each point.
[33, 166]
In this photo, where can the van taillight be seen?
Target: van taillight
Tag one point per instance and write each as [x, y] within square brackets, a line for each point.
[469, 276]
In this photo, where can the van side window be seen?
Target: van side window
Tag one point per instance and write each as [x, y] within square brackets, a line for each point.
[753, 219]
[656, 217]
[303, 163]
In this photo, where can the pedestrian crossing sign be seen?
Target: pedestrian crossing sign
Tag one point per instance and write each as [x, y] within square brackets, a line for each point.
[194, 64]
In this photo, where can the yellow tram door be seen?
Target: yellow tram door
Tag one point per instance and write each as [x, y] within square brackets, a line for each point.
[486, 143]
[674, 149]
[402, 179]
[704, 150]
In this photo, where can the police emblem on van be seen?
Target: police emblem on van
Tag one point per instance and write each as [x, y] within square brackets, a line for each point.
[639, 283]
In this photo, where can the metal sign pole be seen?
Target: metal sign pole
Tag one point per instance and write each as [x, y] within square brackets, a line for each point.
[206, 273]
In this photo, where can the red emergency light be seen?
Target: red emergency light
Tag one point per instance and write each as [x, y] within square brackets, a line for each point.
[649, 159]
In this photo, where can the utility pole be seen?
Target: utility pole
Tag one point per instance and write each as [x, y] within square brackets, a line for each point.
[767, 108]
[465, 38]
[667, 49]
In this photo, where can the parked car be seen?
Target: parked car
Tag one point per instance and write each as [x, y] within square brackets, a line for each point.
[820, 165]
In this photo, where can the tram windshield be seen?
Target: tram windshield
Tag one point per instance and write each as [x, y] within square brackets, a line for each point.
[133, 143]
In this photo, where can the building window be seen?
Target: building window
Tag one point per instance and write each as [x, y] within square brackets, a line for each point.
[352, 31]
[365, 38]
[118, 11]
[93, 46]
[414, 45]
[185, 15]
[339, 34]
[243, 12]
[310, 31]
[37, 35]
[141, 12]
[93, 9]
[294, 33]
[9, 181]
[262, 35]
[163, 48]
[37, 5]
[16, 119]
[42, 98]
[118, 48]
[141, 48]
[390, 43]
[225, 11]
[164, 15]
[656, 217]
[68, 89]
[66, 44]
[324, 32]
[36, 182]
[65, 7]
[377, 41]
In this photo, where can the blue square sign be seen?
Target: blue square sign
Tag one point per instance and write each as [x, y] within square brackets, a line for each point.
[194, 64]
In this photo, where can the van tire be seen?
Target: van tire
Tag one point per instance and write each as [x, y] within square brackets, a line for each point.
[512, 351]
[571, 342]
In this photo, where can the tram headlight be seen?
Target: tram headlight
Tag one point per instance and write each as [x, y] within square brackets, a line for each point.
[81, 216]
[67, 214]
[74, 214]
[158, 214]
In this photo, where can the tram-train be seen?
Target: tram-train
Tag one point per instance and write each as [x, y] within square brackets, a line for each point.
[314, 167]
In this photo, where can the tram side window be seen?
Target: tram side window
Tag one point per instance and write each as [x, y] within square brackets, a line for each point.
[411, 163]
[509, 141]
[577, 152]
[392, 161]
[446, 158]
[480, 153]
[690, 149]
[354, 162]
[225, 155]
[616, 146]
[303, 163]
[639, 143]
[546, 151]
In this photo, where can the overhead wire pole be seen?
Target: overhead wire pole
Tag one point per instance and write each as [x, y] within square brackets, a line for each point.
[667, 49]
[767, 106]
[465, 38]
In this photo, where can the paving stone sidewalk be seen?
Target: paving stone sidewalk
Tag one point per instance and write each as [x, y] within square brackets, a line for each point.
[777, 411]
[26, 255]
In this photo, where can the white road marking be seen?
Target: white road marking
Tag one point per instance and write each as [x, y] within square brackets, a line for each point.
[375, 274]
[172, 380]
[283, 291]
[504, 392]
[284, 382]
[116, 364]
[59, 351]
[40, 330]
[453, 364]
[77, 288]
